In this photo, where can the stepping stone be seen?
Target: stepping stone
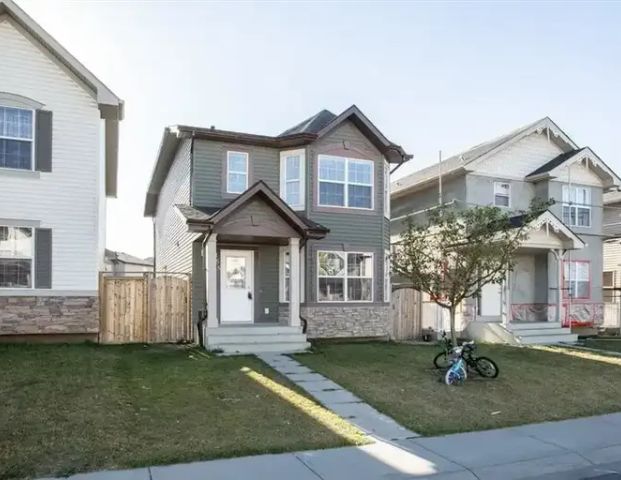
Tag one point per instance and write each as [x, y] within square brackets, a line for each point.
[369, 420]
[292, 369]
[320, 386]
[331, 397]
[306, 377]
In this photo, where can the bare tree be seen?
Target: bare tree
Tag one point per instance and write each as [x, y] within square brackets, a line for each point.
[458, 251]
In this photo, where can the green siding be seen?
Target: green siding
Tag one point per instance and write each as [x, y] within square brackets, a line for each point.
[266, 283]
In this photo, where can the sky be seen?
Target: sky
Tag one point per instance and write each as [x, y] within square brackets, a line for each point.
[431, 75]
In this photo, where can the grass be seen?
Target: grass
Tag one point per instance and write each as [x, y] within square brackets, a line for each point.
[73, 408]
[534, 385]
[610, 344]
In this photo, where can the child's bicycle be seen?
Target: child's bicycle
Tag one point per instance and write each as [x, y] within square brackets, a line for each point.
[465, 358]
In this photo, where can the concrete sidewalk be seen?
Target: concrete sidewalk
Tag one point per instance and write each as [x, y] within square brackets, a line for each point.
[580, 448]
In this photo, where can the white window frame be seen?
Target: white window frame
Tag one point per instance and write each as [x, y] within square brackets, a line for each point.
[571, 268]
[346, 182]
[386, 189]
[282, 292]
[301, 154]
[387, 279]
[31, 140]
[31, 258]
[567, 202]
[346, 277]
[229, 171]
[499, 191]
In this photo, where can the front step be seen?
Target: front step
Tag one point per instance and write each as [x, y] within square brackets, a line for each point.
[542, 333]
[241, 340]
[549, 339]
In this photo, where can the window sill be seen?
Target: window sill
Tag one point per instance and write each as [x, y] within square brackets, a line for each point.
[16, 172]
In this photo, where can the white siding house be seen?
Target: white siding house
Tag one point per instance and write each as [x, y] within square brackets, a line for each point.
[55, 173]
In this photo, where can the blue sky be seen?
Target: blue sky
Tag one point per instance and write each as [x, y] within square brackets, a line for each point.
[431, 76]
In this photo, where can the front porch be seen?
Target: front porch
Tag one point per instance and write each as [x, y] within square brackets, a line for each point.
[251, 257]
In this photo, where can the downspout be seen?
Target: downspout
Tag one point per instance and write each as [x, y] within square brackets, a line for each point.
[154, 250]
[303, 320]
[202, 314]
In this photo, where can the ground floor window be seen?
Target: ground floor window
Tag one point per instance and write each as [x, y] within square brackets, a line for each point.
[16, 252]
[344, 276]
[577, 279]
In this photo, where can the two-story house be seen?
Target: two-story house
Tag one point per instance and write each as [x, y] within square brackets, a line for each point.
[564, 245]
[58, 162]
[281, 234]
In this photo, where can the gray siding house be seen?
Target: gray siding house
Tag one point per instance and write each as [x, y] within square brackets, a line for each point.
[564, 246]
[284, 236]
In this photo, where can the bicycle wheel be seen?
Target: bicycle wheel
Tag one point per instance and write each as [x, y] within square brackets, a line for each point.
[454, 377]
[486, 367]
[441, 360]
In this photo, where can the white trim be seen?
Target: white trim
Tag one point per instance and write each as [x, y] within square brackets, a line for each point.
[32, 140]
[346, 277]
[228, 170]
[301, 154]
[589, 155]
[282, 280]
[386, 189]
[31, 258]
[346, 182]
[575, 206]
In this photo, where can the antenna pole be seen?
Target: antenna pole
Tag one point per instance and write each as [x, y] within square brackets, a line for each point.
[440, 177]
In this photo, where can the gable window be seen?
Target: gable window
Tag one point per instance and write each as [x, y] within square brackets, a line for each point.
[502, 194]
[16, 138]
[345, 182]
[577, 279]
[16, 252]
[292, 178]
[236, 172]
[576, 206]
[344, 276]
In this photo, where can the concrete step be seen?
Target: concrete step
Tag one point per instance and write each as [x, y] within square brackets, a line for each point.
[269, 329]
[549, 339]
[533, 325]
[280, 347]
[255, 338]
[535, 332]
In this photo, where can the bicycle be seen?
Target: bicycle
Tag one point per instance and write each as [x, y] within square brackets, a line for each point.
[484, 366]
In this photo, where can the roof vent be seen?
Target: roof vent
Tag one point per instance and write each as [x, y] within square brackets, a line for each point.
[213, 127]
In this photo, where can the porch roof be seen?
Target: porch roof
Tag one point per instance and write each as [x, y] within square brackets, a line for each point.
[206, 219]
[553, 226]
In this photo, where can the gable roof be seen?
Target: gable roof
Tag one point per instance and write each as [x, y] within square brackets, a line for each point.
[205, 219]
[457, 163]
[301, 134]
[555, 162]
[549, 219]
[110, 106]
[122, 257]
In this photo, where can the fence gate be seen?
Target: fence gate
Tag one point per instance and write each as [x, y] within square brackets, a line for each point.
[144, 309]
[405, 314]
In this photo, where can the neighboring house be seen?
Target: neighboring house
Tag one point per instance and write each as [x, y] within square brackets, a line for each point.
[275, 228]
[58, 162]
[612, 260]
[565, 243]
[123, 263]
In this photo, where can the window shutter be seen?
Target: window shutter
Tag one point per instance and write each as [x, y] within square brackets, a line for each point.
[43, 139]
[43, 258]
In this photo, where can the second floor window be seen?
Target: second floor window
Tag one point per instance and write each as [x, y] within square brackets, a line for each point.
[292, 178]
[236, 172]
[345, 182]
[576, 206]
[16, 257]
[16, 138]
[502, 194]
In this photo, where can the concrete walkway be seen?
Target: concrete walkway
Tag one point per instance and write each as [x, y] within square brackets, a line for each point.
[570, 449]
[336, 398]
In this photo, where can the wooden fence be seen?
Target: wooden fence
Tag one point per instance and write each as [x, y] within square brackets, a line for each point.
[405, 314]
[144, 309]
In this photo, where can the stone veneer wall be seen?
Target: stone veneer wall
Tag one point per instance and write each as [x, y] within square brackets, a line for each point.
[330, 321]
[49, 315]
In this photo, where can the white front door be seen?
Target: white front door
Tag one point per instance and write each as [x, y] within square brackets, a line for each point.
[491, 298]
[236, 286]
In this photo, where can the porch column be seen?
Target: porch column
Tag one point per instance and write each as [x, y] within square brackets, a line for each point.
[294, 282]
[559, 254]
[212, 281]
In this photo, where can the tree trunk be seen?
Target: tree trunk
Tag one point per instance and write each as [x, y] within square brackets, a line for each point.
[453, 334]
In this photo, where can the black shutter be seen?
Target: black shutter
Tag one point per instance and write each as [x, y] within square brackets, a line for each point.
[43, 141]
[43, 258]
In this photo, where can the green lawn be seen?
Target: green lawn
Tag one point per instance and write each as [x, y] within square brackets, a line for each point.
[610, 344]
[534, 385]
[70, 408]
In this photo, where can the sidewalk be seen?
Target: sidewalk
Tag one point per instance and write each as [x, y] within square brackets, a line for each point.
[555, 450]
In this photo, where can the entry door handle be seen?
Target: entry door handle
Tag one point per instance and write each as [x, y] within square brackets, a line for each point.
[249, 295]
